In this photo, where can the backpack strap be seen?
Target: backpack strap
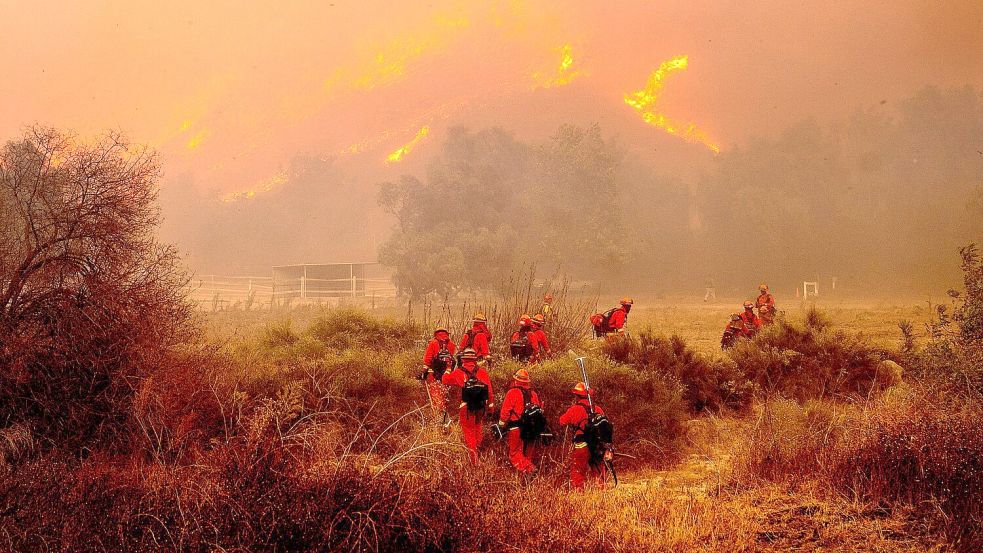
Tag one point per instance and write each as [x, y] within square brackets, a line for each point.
[588, 412]
[526, 397]
[515, 423]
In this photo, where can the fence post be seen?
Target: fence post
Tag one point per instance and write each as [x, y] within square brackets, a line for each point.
[351, 271]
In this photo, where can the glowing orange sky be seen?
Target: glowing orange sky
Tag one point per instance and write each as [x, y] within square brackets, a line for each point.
[230, 91]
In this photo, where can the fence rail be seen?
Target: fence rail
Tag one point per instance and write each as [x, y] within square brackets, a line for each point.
[218, 292]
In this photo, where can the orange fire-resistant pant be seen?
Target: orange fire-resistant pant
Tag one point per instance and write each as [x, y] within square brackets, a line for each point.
[581, 471]
[520, 453]
[471, 431]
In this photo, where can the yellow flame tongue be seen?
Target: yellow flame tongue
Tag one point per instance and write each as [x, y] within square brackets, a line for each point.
[645, 102]
[397, 156]
[563, 74]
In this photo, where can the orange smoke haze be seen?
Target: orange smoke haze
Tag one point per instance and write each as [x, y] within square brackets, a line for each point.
[230, 91]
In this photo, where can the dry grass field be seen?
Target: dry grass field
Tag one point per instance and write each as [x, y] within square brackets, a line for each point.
[305, 429]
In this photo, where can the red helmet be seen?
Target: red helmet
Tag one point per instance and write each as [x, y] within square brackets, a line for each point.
[521, 375]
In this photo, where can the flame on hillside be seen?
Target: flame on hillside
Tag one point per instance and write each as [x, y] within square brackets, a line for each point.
[564, 73]
[398, 155]
[266, 186]
[645, 102]
[197, 139]
[386, 63]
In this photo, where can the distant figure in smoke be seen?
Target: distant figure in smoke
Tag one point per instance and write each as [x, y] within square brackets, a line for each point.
[542, 340]
[547, 309]
[765, 305]
[711, 293]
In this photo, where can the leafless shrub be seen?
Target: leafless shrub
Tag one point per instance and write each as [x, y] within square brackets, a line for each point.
[90, 302]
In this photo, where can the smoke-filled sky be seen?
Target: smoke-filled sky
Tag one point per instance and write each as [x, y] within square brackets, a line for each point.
[229, 92]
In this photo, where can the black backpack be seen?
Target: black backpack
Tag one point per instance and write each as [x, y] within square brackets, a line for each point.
[532, 421]
[602, 321]
[441, 362]
[474, 393]
[598, 433]
[521, 347]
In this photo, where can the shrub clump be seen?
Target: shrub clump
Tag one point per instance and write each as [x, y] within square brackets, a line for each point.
[909, 448]
[921, 450]
[789, 442]
[708, 383]
[813, 361]
[340, 329]
[646, 407]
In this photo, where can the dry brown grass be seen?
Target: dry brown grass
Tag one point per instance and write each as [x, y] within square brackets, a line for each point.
[318, 443]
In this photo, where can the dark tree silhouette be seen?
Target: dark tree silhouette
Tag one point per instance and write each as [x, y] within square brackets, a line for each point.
[90, 302]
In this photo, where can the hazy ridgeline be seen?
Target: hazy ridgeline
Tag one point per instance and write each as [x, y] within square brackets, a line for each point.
[880, 201]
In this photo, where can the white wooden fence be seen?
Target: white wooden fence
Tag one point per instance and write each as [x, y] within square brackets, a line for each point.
[218, 292]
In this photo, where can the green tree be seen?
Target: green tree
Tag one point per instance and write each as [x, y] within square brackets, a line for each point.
[491, 203]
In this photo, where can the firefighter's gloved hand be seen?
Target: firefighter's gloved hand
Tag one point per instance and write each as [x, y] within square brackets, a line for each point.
[608, 454]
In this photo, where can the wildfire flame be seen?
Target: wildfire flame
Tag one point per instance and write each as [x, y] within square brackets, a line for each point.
[563, 74]
[385, 63]
[397, 156]
[197, 139]
[645, 102]
[265, 186]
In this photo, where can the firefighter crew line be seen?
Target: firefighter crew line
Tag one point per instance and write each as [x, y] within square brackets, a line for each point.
[522, 422]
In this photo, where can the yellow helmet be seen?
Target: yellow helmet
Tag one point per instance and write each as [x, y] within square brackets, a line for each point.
[626, 301]
[480, 318]
[748, 304]
[439, 329]
[539, 318]
[579, 390]
[763, 287]
[521, 375]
